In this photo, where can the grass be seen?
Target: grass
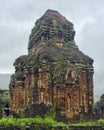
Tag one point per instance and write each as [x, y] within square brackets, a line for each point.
[46, 120]
[87, 123]
[25, 121]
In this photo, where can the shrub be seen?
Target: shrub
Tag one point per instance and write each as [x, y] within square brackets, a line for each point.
[101, 121]
[40, 110]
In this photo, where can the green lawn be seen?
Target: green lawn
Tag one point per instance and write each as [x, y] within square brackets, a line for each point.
[47, 120]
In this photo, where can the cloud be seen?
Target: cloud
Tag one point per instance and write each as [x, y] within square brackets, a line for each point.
[18, 17]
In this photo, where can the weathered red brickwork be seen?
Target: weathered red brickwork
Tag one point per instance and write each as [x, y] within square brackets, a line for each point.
[55, 71]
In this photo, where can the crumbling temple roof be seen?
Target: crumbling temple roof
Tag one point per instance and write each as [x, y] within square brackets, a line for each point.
[53, 34]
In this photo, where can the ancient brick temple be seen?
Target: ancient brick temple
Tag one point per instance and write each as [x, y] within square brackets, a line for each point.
[55, 71]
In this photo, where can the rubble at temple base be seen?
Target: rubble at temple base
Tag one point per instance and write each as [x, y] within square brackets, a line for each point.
[55, 72]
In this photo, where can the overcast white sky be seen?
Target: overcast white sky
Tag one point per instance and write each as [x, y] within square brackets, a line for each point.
[17, 18]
